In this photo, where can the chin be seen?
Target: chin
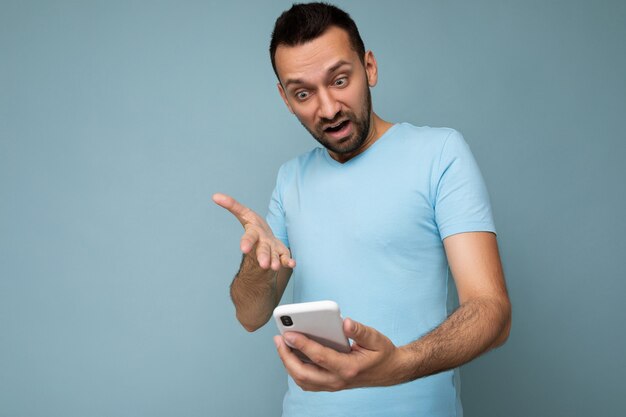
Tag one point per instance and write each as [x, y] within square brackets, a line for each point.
[349, 146]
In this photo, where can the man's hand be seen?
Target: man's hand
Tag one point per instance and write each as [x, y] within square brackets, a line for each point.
[373, 361]
[265, 268]
[258, 237]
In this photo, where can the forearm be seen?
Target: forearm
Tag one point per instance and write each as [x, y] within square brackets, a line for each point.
[254, 292]
[265, 267]
[477, 326]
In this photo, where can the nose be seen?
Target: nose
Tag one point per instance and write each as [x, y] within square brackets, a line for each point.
[328, 105]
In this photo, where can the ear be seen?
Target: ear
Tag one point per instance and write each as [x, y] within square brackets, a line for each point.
[284, 96]
[371, 68]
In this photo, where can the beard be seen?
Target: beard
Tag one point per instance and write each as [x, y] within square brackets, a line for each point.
[360, 131]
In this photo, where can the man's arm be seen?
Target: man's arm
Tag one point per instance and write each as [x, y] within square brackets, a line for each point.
[265, 268]
[480, 323]
[483, 319]
[256, 291]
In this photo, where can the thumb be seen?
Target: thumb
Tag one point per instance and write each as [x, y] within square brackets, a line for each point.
[365, 336]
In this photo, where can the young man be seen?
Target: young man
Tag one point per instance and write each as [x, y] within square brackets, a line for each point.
[374, 219]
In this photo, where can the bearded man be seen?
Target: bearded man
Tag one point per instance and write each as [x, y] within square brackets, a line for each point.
[376, 218]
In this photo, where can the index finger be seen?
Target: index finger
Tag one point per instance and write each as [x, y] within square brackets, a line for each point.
[232, 205]
[314, 377]
[322, 356]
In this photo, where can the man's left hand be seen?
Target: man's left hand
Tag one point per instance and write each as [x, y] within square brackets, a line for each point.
[373, 361]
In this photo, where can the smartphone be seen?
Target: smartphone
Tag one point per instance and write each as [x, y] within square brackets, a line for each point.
[319, 320]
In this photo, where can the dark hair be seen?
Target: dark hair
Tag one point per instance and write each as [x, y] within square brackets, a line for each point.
[307, 21]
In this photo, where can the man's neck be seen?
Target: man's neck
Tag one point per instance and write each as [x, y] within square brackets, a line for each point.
[378, 127]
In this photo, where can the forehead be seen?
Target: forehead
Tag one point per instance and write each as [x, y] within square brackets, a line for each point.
[316, 56]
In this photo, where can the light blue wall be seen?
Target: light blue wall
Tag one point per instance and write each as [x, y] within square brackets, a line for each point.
[118, 120]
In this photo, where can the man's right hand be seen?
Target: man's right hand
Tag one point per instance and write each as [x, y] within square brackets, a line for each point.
[258, 240]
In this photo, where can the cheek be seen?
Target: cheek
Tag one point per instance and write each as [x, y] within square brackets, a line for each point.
[355, 96]
[305, 115]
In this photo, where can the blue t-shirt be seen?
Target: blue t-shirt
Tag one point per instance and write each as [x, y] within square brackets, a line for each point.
[368, 234]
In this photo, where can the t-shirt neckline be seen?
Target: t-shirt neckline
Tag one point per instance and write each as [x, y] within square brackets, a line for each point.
[334, 162]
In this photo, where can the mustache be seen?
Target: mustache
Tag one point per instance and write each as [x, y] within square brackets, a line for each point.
[339, 116]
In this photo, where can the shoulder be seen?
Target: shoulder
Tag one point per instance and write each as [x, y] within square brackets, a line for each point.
[303, 160]
[424, 133]
[427, 138]
[300, 163]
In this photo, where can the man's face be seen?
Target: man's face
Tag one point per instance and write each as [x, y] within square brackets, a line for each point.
[325, 84]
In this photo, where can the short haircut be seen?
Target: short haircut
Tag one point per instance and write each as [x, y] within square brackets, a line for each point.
[307, 21]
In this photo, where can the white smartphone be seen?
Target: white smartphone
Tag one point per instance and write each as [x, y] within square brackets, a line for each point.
[319, 320]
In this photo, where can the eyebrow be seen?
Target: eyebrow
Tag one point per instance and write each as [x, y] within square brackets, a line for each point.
[330, 70]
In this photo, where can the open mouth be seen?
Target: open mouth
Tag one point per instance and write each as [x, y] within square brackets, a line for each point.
[337, 127]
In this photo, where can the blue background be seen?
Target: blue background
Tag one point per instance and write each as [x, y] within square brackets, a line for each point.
[118, 120]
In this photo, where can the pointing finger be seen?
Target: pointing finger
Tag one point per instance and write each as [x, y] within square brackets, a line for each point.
[232, 205]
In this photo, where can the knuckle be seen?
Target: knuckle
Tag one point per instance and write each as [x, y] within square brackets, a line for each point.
[318, 358]
[349, 372]
[250, 228]
[247, 213]
[249, 236]
[300, 378]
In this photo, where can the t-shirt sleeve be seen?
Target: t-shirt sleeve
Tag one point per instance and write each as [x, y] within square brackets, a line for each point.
[461, 202]
[276, 214]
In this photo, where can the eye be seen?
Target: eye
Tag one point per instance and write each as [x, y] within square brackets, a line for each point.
[341, 82]
[302, 95]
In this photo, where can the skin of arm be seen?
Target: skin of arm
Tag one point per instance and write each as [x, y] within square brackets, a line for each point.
[256, 291]
[265, 267]
[481, 322]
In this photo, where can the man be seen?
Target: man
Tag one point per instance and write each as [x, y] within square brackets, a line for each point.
[374, 220]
